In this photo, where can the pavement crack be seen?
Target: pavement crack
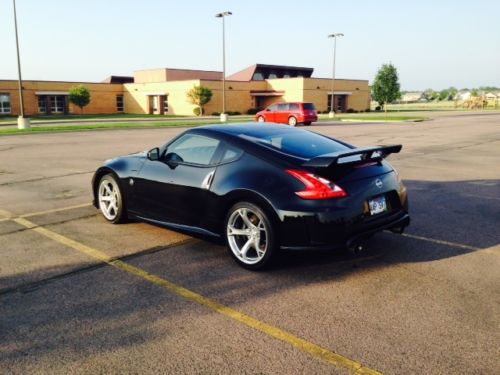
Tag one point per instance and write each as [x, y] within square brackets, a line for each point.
[35, 285]
[44, 178]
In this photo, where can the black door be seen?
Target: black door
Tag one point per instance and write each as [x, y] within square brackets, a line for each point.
[176, 188]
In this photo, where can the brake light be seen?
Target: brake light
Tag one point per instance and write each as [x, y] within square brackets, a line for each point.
[316, 187]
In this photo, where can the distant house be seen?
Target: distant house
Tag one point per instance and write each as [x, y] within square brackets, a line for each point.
[463, 95]
[492, 96]
[412, 97]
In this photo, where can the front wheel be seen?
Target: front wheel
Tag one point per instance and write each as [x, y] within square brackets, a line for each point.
[292, 121]
[110, 199]
[250, 236]
[261, 119]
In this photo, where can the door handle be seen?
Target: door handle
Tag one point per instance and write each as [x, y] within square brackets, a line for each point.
[207, 181]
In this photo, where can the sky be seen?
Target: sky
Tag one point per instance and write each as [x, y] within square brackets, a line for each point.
[433, 44]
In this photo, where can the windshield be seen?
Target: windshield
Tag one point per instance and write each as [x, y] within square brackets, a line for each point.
[303, 144]
[309, 106]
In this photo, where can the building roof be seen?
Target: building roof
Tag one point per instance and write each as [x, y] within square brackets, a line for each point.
[260, 72]
[173, 74]
[118, 79]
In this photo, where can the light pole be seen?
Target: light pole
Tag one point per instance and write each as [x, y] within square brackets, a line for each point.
[22, 122]
[223, 116]
[334, 36]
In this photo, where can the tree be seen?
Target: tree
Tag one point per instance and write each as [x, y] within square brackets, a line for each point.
[79, 96]
[443, 95]
[453, 92]
[199, 95]
[386, 85]
[430, 95]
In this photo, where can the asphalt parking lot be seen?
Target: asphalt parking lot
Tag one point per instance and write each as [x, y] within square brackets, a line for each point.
[79, 295]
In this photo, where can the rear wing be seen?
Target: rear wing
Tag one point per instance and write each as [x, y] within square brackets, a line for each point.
[353, 156]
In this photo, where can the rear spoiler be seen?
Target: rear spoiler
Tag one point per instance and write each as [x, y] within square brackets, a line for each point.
[366, 154]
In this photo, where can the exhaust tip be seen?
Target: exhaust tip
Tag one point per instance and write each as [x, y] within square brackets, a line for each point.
[356, 249]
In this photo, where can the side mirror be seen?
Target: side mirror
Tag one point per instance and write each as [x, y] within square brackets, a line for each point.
[154, 154]
[172, 159]
[268, 110]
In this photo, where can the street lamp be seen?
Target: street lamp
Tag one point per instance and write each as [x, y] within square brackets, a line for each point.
[223, 116]
[22, 122]
[334, 36]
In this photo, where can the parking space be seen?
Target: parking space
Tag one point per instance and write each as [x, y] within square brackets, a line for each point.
[80, 295]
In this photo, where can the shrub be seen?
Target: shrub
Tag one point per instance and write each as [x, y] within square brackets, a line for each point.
[253, 111]
[215, 113]
[350, 110]
[378, 108]
[233, 113]
[197, 111]
[367, 110]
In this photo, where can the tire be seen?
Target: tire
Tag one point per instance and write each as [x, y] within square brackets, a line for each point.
[261, 119]
[292, 121]
[110, 199]
[250, 236]
[307, 123]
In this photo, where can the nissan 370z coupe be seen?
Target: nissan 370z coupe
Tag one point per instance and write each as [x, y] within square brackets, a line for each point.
[259, 188]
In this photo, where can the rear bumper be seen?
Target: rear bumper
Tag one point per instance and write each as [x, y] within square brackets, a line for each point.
[308, 118]
[333, 237]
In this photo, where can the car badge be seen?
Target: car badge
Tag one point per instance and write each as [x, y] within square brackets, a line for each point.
[379, 183]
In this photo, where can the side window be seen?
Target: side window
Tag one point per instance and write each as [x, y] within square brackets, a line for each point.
[282, 107]
[4, 103]
[294, 106]
[273, 108]
[231, 153]
[193, 149]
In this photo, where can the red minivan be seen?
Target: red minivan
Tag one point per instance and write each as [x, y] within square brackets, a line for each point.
[288, 113]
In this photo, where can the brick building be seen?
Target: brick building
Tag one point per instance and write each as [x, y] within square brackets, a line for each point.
[163, 91]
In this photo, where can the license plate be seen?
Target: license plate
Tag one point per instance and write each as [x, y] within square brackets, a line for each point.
[377, 205]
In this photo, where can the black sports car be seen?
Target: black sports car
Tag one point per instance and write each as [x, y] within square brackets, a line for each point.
[258, 187]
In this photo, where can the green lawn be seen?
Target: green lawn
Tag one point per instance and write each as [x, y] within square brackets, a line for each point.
[448, 105]
[87, 117]
[107, 126]
[374, 116]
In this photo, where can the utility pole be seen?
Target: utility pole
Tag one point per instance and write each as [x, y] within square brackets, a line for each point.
[223, 115]
[334, 36]
[22, 122]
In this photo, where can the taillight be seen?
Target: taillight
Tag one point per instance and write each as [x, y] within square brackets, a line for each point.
[316, 187]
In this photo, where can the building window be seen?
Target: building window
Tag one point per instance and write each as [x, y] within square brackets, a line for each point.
[120, 107]
[257, 77]
[165, 104]
[56, 103]
[42, 104]
[4, 104]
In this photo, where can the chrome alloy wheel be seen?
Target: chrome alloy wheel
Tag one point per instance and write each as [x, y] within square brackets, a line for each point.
[247, 235]
[108, 198]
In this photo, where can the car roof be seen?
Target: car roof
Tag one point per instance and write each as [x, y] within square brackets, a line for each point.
[248, 134]
[254, 130]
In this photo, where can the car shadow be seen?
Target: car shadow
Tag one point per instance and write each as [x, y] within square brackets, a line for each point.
[102, 309]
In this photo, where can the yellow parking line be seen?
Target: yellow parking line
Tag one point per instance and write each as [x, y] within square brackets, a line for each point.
[56, 210]
[299, 343]
[6, 215]
[441, 242]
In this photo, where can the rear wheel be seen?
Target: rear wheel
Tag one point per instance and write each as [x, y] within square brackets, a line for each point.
[307, 123]
[250, 236]
[261, 119]
[110, 199]
[292, 121]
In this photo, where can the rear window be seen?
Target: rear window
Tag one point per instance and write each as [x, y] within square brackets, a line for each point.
[309, 106]
[303, 144]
